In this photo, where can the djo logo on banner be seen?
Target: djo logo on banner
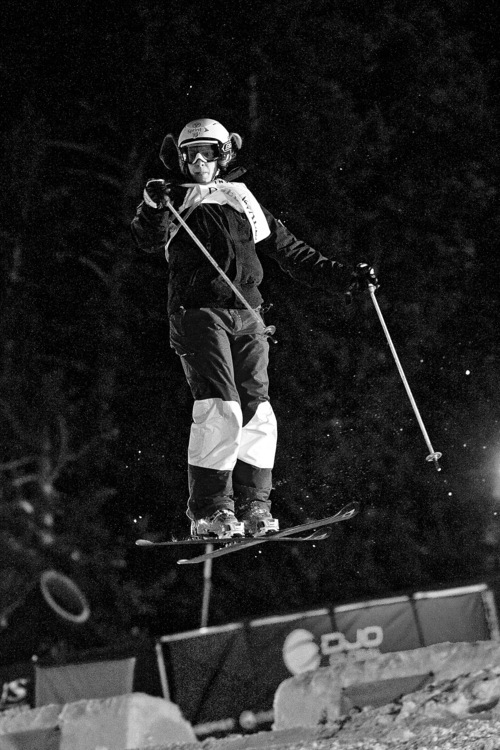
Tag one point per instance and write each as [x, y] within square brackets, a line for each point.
[301, 653]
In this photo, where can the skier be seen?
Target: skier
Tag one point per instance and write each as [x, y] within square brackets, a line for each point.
[217, 328]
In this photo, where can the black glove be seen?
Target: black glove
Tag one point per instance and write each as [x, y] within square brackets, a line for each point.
[363, 277]
[156, 193]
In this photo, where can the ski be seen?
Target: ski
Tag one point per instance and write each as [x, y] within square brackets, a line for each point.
[347, 512]
[315, 536]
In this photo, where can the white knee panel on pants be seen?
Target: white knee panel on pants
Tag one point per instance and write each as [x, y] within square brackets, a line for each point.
[218, 439]
[258, 438]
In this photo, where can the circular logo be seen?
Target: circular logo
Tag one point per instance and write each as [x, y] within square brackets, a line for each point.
[300, 652]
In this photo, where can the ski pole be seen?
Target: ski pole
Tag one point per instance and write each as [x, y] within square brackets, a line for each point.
[433, 455]
[268, 330]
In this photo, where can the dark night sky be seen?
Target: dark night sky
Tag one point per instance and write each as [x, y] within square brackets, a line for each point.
[409, 182]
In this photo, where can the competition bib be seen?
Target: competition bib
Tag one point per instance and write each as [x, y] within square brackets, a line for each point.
[235, 194]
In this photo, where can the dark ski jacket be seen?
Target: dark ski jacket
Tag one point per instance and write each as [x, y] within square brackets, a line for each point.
[227, 235]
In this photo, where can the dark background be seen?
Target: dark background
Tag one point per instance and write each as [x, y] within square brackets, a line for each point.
[370, 130]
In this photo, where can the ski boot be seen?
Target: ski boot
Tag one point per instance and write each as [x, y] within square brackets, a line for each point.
[222, 524]
[258, 521]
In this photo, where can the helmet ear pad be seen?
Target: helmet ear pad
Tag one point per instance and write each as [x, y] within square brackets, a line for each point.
[171, 156]
[235, 143]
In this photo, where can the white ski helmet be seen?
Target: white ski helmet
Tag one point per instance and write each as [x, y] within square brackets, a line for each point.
[205, 131]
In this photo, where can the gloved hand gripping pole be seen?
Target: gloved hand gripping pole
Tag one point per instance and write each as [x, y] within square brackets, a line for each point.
[267, 330]
[433, 455]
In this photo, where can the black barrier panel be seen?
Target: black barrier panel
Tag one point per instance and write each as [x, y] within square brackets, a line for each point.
[454, 615]
[210, 675]
[227, 677]
[386, 624]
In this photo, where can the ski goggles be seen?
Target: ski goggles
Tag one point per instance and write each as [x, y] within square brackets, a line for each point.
[204, 151]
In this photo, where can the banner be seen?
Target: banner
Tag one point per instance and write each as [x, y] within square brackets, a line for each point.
[455, 615]
[97, 673]
[224, 679]
[17, 683]
[386, 624]
[75, 682]
[102, 672]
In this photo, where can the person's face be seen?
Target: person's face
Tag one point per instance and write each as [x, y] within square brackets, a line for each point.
[202, 161]
[203, 171]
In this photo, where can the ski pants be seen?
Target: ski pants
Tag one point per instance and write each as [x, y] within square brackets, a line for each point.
[232, 443]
